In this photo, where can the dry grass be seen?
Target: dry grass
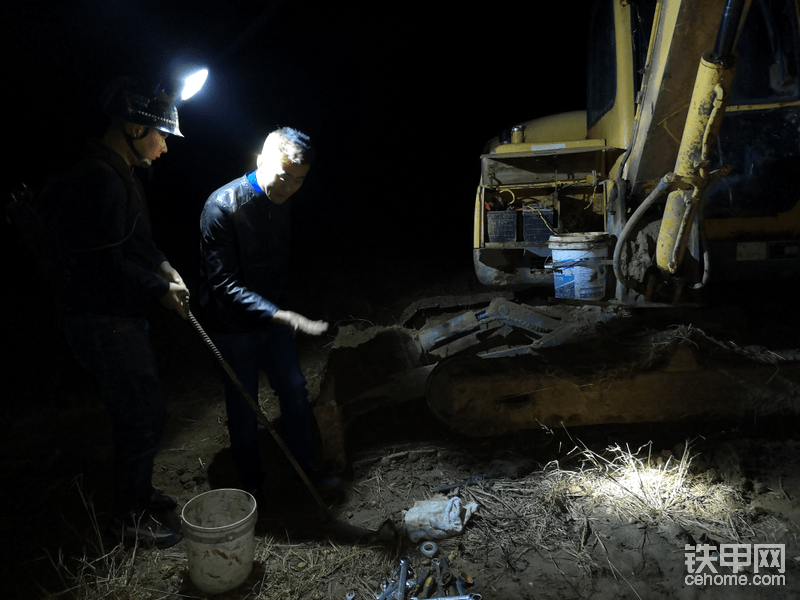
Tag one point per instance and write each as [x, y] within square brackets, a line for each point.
[555, 513]
[640, 487]
[281, 570]
[560, 515]
[117, 572]
[317, 571]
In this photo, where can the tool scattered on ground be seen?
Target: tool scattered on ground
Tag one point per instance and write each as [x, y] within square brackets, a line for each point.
[462, 581]
[464, 597]
[434, 581]
[400, 593]
[472, 480]
[443, 574]
[420, 582]
[430, 584]
[428, 549]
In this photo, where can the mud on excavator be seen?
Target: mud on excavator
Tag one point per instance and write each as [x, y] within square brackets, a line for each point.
[681, 172]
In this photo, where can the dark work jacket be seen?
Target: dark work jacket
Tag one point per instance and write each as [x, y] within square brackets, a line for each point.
[102, 253]
[244, 244]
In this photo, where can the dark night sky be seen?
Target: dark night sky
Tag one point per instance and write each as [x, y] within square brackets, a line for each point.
[399, 98]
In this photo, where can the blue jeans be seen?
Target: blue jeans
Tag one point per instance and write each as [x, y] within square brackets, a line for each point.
[117, 352]
[272, 351]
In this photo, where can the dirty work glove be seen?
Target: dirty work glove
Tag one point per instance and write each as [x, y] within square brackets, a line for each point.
[299, 323]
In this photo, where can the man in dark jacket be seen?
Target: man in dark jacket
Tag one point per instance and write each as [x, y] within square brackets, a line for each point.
[244, 259]
[106, 271]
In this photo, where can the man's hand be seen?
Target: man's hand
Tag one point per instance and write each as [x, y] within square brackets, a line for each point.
[177, 297]
[299, 322]
[166, 272]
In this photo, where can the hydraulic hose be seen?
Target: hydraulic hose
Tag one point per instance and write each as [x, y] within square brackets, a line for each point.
[262, 418]
[706, 155]
[662, 187]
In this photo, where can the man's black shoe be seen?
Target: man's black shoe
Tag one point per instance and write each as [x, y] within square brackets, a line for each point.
[161, 501]
[324, 482]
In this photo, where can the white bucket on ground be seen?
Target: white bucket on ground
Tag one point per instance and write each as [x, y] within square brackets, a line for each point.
[219, 529]
[579, 269]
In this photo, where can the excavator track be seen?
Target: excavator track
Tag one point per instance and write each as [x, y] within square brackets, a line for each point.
[680, 377]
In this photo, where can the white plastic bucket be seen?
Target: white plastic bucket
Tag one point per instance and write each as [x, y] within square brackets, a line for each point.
[219, 529]
[579, 269]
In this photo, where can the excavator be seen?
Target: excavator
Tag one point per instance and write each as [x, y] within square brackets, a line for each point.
[677, 179]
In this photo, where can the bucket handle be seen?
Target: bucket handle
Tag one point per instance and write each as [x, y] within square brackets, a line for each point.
[563, 264]
[566, 264]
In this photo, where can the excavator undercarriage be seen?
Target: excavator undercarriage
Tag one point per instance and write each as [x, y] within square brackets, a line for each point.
[567, 364]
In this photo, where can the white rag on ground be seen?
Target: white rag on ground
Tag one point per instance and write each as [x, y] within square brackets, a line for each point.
[437, 519]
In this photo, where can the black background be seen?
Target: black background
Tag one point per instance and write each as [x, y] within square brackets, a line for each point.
[400, 99]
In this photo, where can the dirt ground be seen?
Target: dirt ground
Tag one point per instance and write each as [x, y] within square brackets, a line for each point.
[548, 524]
